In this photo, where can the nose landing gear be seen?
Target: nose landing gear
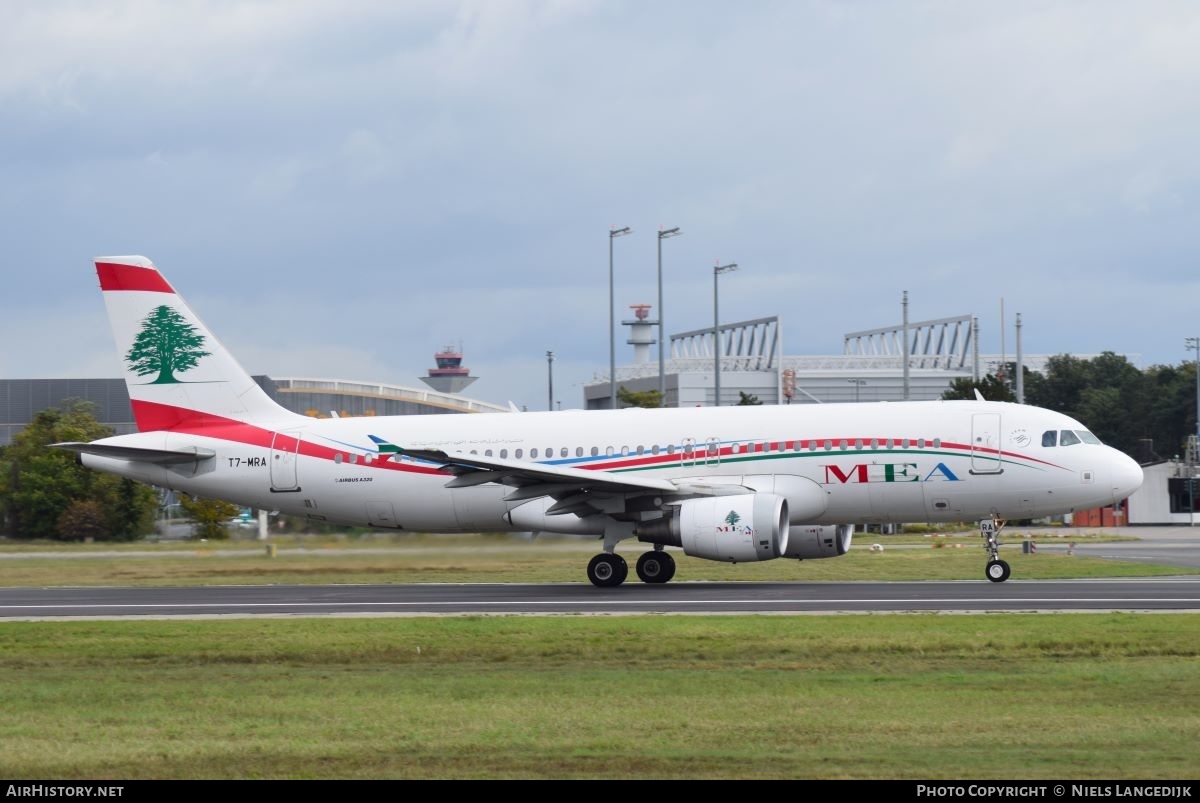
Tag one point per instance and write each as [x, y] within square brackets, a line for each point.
[997, 570]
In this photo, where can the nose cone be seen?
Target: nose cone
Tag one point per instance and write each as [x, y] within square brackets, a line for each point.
[1126, 475]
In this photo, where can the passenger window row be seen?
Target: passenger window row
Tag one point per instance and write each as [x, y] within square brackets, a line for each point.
[709, 448]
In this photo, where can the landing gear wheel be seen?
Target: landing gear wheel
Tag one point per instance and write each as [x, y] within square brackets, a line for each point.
[655, 567]
[607, 570]
[997, 571]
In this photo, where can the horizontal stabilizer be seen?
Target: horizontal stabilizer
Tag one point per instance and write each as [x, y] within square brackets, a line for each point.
[138, 454]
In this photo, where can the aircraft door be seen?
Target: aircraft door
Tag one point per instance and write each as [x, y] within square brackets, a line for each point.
[285, 447]
[687, 452]
[712, 451]
[985, 444]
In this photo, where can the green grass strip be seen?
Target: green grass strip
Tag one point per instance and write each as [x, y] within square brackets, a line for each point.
[475, 559]
[905, 696]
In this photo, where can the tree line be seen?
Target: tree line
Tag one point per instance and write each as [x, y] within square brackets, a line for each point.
[45, 493]
[1147, 414]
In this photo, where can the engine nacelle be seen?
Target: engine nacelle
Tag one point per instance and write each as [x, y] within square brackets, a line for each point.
[735, 529]
[806, 541]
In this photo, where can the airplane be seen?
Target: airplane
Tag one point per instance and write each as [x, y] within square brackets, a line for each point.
[732, 484]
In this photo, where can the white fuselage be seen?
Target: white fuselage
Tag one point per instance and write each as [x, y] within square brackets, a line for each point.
[882, 462]
[732, 484]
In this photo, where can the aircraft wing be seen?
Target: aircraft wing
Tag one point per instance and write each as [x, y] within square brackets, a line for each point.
[138, 454]
[572, 487]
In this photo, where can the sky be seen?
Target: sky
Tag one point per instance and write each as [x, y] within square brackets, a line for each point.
[341, 189]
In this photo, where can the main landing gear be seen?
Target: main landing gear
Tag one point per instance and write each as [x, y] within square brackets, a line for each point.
[997, 570]
[608, 569]
[655, 566]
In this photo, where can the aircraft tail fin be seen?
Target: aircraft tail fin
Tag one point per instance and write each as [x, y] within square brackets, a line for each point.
[177, 372]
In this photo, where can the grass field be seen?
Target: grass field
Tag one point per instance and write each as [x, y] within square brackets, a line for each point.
[912, 696]
[469, 559]
[1073, 696]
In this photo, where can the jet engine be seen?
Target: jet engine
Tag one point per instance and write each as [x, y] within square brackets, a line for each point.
[807, 541]
[736, 529]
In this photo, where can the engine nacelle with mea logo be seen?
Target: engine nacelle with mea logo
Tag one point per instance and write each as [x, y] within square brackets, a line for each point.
[736, 529]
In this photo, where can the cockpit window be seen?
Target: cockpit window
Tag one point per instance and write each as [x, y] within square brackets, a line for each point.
[1087, 436]
[1050, 438]
[1068, 438]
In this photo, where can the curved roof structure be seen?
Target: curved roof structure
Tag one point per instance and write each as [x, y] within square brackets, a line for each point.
[321, 397]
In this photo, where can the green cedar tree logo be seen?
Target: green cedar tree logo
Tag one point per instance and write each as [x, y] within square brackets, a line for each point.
[166, 343]
[733, 518]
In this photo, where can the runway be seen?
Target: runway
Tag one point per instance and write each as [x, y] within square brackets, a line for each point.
[1163, 546]
[1154, 594]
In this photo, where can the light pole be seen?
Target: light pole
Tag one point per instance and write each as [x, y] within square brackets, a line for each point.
[1194, 343]
[612, 319]
[904, 347]
[1019, 370]
[550, 380]
[858, 383]
[662, 374]
[717, 271]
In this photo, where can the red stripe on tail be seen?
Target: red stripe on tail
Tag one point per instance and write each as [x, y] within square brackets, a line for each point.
[152, 416]
[114, 276]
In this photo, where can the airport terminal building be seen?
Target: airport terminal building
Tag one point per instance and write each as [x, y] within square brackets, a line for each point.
[870, 367]
[22, 399]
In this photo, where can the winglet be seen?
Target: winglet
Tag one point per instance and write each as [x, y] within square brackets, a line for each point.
[389, 451]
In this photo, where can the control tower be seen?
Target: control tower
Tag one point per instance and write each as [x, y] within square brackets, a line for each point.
[450, 376]
[641, 332]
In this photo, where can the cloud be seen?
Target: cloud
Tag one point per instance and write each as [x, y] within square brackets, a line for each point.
[354, 186]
